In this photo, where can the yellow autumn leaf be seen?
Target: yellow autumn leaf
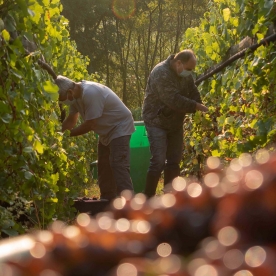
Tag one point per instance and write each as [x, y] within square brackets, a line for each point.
[226, 14]
[55, 178]
[6, 35]
[38, 147]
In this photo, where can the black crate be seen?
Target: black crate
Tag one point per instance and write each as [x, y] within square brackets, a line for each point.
[91, 206]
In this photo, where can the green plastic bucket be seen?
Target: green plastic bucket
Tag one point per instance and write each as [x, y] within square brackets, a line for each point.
[139, 156]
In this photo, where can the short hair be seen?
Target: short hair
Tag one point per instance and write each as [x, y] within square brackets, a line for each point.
[64, 84]
[184, 55]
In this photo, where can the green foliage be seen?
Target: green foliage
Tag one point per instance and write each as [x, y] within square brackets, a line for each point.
[38, 164]
[42, 170]
[242, 97]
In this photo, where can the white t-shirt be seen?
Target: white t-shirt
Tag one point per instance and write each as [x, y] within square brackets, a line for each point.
[98, 102]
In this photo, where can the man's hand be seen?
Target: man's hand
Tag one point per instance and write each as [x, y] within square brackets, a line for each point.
[201, 107]
[85, 127]
[70, 121]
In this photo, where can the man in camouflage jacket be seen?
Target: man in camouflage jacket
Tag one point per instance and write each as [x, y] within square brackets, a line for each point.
[170, 94]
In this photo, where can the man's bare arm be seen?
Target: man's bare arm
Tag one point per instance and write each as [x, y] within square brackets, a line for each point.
[85, 127]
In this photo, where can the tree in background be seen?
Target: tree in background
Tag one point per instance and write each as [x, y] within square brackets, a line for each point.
[124, 39]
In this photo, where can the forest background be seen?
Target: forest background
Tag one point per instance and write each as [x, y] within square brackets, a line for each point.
[117, 43]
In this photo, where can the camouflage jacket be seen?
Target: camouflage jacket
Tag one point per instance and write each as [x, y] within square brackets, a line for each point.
[168, 97]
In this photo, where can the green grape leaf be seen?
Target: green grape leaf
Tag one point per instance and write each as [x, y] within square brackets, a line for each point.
[49, 87]
[28, 175]
[10, 232]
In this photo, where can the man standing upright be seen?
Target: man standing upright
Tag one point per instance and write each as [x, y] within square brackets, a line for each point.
[104, 113]
[170, 94]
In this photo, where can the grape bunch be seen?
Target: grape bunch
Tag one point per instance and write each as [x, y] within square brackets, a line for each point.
[223, 225]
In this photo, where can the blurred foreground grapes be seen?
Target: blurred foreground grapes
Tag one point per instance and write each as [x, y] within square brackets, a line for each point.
[224, 226]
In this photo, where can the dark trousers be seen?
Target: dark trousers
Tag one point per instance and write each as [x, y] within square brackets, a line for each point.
[166, 149]
[114, 167]
[166, 154]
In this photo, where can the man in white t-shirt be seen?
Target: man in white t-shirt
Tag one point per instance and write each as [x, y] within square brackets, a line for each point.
[104, 113]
